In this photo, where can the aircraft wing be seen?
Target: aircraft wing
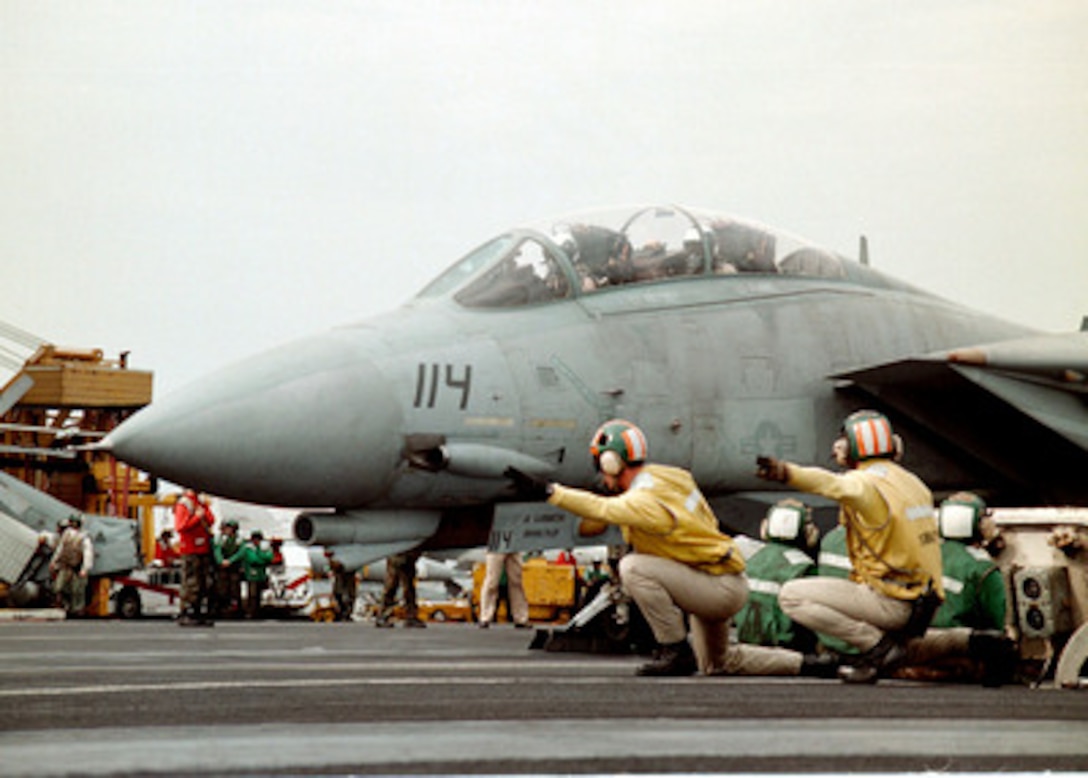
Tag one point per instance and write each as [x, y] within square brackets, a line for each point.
[1019, 407]
[116, 541]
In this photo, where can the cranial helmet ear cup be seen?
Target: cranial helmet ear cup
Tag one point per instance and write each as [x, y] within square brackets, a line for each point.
[611, 463]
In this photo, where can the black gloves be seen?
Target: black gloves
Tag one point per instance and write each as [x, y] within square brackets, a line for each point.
[771, 469]
[528, 487]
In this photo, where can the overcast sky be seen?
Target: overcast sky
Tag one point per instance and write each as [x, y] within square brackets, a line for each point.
[197, 181]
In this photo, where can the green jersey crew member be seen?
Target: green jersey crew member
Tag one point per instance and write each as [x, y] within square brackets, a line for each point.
[226, 550]
[893, 544]
[967, 635]
[255, 558]
[789, 535]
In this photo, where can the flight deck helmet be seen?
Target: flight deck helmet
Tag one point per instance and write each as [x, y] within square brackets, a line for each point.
[617, 444]
[869, 435]
[790, 522]
[960, 517]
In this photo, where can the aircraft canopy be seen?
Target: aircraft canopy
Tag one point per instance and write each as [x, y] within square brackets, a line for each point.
[589, 253]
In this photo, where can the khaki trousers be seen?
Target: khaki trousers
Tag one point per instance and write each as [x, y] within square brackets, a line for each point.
[843, 609]
[489, 590]
[665, 590]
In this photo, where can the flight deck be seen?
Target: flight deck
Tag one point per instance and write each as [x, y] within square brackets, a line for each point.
[148, 697]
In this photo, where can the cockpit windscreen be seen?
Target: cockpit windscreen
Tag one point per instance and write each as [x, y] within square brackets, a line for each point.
[590, 253]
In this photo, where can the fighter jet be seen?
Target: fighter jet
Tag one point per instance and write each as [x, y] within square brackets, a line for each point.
[722, 338]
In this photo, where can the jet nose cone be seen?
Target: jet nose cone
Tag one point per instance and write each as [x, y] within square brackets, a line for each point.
[309, 424]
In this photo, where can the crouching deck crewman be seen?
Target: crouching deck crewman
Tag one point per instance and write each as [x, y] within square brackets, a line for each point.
[681, 563]
[893, 542]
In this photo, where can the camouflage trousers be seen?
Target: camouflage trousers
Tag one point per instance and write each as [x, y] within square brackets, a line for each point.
[196, 583]
[72, 590]
[400, 573]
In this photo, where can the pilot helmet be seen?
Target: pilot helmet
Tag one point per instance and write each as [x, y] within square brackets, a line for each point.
[693, 240]
[617, 444]
[869, 435]
[960, 517]
[564, 239]
[790, 522]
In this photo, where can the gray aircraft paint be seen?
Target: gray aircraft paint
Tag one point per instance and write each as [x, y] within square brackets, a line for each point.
[416, 410]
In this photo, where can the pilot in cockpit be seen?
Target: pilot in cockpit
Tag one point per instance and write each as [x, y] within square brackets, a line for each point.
[601, 256]
[695, 250]
[743, 248]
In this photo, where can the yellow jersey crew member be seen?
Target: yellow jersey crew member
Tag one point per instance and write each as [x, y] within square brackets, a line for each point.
[892, 540]
[681, 565]
[966, 640]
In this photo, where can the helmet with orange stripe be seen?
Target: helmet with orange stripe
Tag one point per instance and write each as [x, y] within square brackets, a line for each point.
[869, 435]
[617, 444]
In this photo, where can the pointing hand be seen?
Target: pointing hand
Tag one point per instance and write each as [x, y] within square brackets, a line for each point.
[528, 487]
[771, 469]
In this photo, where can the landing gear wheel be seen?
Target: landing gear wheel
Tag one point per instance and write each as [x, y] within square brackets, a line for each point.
[128, 604]
[1071, 663]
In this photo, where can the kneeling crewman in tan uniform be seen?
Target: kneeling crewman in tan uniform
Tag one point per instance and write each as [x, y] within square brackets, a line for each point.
[681, 563]
[893, 544]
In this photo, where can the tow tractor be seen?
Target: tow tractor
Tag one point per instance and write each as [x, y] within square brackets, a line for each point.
[148, 591]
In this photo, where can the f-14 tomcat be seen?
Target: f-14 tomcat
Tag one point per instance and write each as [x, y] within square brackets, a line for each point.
[721, 338]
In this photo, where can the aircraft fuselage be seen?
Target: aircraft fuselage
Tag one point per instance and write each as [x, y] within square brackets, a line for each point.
[421, 408]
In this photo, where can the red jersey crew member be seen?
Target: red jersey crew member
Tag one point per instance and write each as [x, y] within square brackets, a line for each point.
[891, 538]
[193, 521]
[680, 563]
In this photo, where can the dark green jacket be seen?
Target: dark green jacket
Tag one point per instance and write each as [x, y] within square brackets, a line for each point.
[225, 547]
[973, 587]
[761, 620]
[255, 561]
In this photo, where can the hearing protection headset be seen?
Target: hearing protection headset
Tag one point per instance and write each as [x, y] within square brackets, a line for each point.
[960, 517]
[790, 522]
[617, 444]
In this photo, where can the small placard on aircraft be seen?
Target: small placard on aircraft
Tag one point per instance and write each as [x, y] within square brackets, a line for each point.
[523, 526]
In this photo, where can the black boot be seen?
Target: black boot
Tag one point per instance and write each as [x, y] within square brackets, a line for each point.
[820, 665]
[674, 659]
[879, 660]
[997, 654]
